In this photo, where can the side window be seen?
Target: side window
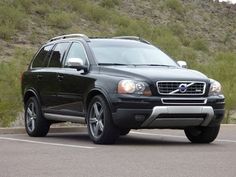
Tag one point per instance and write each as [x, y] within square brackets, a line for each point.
[77, 51]
[39, 60]
[57, 55]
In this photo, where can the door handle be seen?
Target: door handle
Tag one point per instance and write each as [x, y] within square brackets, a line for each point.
[60, 77]
[39, 77]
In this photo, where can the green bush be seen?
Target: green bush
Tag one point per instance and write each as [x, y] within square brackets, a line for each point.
[227, 38]
[109, 3]
[77, 5]
[163, 37]
[176, 6]
[186, 41]
[10, 73]
[11, 20]
[26, 5]
[200, 44]
[61, 20]
[176, 28]
[97, 13]
[42, 9]
[121, 21]
[222, 68]
[6, 31]
[189, 55]
[33, 38]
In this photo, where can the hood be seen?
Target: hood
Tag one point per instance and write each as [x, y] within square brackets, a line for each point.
[155, 73]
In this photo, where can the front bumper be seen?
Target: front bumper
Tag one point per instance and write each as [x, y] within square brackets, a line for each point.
[151, 114]
[191, 116]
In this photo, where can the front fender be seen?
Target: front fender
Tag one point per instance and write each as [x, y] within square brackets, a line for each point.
[98, 91]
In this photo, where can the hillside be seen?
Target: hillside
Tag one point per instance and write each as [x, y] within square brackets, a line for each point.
[201, 32]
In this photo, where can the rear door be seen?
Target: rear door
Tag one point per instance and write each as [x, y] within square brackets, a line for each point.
[38, 71]
[51, 78]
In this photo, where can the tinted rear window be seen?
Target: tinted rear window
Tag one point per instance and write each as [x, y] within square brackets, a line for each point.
[57, 55]
[39, 60]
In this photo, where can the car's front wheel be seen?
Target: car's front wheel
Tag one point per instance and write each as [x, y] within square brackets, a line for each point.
[202, 134]
[35, 124]
[99, 121]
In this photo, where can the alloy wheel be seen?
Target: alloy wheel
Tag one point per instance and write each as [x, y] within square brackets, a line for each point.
[96, 119]
[31, 117]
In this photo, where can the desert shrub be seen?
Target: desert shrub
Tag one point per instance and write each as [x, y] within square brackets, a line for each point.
[135, 28]
[175, 5]
[11, 20]
[10, 73]
[97, 13]
[164, 38]
[109, 3]
[227, 38]
[33, 37]
[42, 9]
[189, 55]
[77, 5]
[60, 19]
[185, 40]
[26, 5]
[223, 70]
[176, 28]
[6, 31]
[200, 44]
[123, 21]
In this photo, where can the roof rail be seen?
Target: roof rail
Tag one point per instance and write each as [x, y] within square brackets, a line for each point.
[132, 38]
[86, 38]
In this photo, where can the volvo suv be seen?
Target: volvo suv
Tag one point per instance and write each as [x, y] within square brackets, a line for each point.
[117, 84]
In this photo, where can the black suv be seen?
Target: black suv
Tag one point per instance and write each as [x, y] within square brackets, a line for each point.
[117, 84]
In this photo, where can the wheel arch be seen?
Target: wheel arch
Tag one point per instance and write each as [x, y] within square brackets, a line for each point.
[94, 92]
[30, 93]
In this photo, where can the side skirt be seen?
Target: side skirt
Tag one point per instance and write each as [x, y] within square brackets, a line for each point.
[67, 118]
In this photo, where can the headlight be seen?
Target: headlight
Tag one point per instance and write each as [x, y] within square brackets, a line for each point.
[133, 87]
[215, 88]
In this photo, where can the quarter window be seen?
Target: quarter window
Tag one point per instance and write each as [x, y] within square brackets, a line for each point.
[39, 60]
[57, 55]
[77, 51]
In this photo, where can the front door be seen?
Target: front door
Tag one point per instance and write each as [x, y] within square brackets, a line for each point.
[74, 84]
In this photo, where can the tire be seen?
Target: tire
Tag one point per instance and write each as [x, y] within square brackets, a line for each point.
[202, 134]
[35, 124]
[99, 122]
[124, 132]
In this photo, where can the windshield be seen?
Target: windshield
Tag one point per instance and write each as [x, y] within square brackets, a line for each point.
[127, 52]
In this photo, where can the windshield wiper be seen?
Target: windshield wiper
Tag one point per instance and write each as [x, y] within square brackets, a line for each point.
[117, 64]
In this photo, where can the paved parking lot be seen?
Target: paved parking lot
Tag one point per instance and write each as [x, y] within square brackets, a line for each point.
[141, 153]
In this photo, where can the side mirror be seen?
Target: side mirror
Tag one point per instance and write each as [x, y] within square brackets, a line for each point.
[182, 64]
[76, 63]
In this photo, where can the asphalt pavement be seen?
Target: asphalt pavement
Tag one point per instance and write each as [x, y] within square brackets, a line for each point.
[142, 153]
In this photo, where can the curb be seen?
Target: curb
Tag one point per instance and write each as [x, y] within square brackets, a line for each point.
[70, 129]
[21, 130]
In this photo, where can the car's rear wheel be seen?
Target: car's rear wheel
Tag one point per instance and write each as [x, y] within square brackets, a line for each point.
[35, 124]
[100, 126]
[202, 134]
[124, 132]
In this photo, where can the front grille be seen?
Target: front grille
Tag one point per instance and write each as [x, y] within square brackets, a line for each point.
[181, 87]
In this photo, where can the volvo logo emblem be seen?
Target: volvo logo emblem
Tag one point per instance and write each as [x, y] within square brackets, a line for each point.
[183, 88]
